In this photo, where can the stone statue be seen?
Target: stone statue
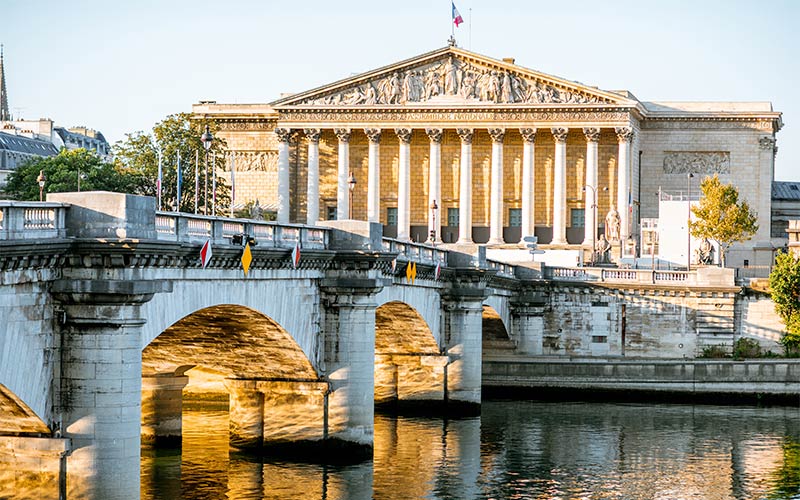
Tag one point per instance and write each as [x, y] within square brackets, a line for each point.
[255, 211]
[450, 78]
[506, 92]
[705, 254]
[612, 224]
[602, 247]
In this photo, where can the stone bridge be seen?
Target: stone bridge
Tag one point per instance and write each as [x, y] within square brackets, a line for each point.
[108, 315]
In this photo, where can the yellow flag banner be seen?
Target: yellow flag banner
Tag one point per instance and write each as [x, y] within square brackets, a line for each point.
[247, 258]
[408, 271]
[413, 271]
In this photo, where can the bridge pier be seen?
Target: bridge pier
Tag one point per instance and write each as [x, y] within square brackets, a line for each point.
[528, 313]
[99, 399]
[349, 360]
[462, 301]
[410, 379]
[162, 408]
[277, 415]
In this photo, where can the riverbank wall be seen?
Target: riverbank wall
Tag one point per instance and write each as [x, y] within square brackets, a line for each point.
[690, 380]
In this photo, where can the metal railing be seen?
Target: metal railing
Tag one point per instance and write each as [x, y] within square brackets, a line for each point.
[20, 220]
[180, 227]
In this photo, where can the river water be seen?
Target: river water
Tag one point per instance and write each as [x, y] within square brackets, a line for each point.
[514, 450]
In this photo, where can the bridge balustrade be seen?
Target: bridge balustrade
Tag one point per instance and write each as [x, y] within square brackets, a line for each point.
[503, 269]
[32, 220]
[416, 252]
[180, 227]
[643, 276]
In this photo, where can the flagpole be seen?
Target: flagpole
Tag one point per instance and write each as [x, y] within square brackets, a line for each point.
[213, 183]
[178, 194]
[160, 179]
[452, 23]
[196, 178]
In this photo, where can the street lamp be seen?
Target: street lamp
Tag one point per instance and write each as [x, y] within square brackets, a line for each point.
[41, 179]
[594, 211]
[206, 139]
[688, 221]
[352, 184]
[433, 208]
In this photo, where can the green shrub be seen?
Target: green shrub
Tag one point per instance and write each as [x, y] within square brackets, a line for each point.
[715, 351]
[746, 348]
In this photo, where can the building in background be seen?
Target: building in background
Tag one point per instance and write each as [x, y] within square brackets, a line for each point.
[17, 149]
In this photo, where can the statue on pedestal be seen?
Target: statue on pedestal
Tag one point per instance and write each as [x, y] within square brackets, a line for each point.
[612, 224]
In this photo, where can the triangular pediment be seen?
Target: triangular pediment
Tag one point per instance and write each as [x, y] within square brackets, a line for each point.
[452, 77]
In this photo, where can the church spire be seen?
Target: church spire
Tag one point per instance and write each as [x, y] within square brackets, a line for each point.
[5, 114]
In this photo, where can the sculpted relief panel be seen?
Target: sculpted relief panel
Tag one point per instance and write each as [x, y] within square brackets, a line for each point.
[254, 160]
[450, 81]
[697, 162]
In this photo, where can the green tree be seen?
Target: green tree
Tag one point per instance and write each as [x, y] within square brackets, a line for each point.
[721, 216]
[784, 284]
[138, 154]
[62, 172]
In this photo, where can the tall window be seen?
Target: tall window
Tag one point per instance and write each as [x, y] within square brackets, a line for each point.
[452, 216]
[331, 213]
[515, 217]
[577, 217]
[391, 216]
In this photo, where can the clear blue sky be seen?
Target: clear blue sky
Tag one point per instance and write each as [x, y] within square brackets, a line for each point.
[120, 67]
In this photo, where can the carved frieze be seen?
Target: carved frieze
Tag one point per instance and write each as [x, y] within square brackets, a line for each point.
[697, 162]
[410, 115]
[766, 143]
[454, 79]
[258, 161]
[245, 125]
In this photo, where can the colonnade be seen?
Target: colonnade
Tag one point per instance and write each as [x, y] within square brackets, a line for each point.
[404, 134]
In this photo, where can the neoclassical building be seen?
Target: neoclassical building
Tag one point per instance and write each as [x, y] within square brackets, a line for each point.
[501, 152]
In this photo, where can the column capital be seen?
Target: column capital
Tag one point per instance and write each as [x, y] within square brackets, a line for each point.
[528, 134]
[283, 134]
[434, 134]
[592, 134]
[465, 134]
[560, 133]
[312, 134]
[343, 134]
[624, 134]
[404, 134]
[374, 135]
[497, 134]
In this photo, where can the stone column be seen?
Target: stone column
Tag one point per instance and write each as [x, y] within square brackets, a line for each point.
[528, 182]
[374, 175]
[99, 400]
[625, 137]
[560, 186]
[343, 174]
[246, 414]
[496, 196]
[435, 222]
[590, 195]
[283, 174]
[162, 407]
[349, 357]
[312, 193]
[463, 305]
[404, 185]
[465, 187]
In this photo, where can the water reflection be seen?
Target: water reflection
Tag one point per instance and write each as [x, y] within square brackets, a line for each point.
[516, 449]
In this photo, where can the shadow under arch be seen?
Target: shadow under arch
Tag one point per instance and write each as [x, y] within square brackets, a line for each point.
[409, 366]
[493, 328]
[16, 417]
[232, 340]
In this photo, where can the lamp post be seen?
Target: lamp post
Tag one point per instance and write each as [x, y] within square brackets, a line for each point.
[688, 221]
[352, 185]
[432, 237]
[41, 180]
[206, 138]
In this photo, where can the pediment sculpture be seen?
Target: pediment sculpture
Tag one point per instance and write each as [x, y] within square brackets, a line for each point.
[452, 80]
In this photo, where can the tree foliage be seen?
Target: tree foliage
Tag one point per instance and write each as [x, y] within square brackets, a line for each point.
[784, 283]
[721, 216]
[61, 174]
[138, 154]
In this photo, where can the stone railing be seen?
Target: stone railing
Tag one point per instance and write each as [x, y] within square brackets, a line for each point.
[416, 252]
[644, 276]
[180, 227]
[21, 220]
[503, 269]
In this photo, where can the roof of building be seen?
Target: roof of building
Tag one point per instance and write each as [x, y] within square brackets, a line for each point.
[20, 144]
[75, 134]
[782, 190]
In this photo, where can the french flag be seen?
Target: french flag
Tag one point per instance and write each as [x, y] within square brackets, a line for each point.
[457, 19]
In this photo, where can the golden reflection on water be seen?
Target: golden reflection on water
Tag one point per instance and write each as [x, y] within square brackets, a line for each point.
[517, 449]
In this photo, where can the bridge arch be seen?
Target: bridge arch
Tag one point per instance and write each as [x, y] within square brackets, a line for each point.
[16, 417]
[409, 365]
[425, 301]
[291, 304]
[497, 316]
